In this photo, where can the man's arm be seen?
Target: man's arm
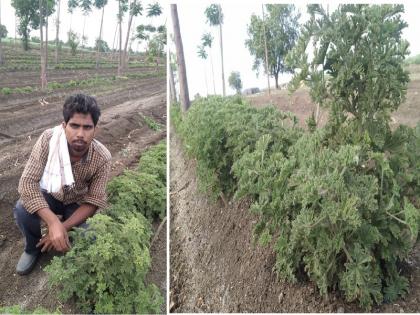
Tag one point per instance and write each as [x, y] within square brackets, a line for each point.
[29, 189]
[80, 215]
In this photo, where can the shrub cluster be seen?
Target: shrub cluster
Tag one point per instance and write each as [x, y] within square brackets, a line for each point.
[340, 208]
[106, 267]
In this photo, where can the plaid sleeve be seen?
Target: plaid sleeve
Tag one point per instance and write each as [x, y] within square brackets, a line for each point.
[29, 189]
[97, 189]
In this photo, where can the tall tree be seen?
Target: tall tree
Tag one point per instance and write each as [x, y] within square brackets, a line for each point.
[28, 14]
[235, 81]
[172, 89]
[57, 28]
[280, 28]
[100, 4]
[183, 83]
[207, 41]
[215, 18]
[135, 10]
[42, 53]
[122, 8]
[266, 50]
[201, 53]
[3, 34]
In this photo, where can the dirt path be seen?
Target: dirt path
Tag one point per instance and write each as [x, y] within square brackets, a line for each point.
[123, 130]
[216, 267]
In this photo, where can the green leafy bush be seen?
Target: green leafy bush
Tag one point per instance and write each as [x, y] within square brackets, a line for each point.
[17, 309]
[143, 189]
[151, 123]
[106, 267]
[218, 130]
[6, 91]
[340, 209]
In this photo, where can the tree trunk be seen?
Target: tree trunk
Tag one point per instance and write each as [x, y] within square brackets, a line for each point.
[83, 37]
[100, 38]
[46, 46]
[183, 84]
[1, 53]
[221, 52]
[130, 20]
[43, 74]
[120, 42]
[276, 77]
[266, 51]
[113, 42]
[212, 73]
[57, 33]
[172, 89]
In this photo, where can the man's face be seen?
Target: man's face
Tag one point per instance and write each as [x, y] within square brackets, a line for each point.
[80, 132]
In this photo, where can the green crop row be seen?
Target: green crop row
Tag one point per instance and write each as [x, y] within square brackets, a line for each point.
[97, 81]
[330, 202]
[106, 267]
[17, 309]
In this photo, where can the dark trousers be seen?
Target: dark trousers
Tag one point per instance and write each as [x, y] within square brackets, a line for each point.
[30, 224]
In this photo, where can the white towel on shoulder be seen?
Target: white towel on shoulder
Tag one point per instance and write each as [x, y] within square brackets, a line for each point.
[57, 172]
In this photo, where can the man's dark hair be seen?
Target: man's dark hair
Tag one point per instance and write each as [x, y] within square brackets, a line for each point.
[83, 104]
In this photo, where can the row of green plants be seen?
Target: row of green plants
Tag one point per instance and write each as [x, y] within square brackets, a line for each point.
[34, 65]
[331, 203]
[106, 267]
[18, 309]
[97, 81]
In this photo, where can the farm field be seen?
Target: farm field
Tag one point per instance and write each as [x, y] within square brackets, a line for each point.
[129, 104]
[215, 264]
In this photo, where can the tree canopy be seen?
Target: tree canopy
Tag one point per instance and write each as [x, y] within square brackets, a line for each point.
[28, 13]
[3, 31]
[235, 81]
[281, 31]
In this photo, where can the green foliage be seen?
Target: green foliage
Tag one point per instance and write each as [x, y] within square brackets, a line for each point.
[3, 31]
[357, 67]
[29, 17]
[337, 208]
[73, 41]
[218, 130]
[17, 309]
[280, 29]
[6, 91]
[214, 14]
[106, 267]
[143, 189]
[151, 123]
[235, 81]
[102, 45]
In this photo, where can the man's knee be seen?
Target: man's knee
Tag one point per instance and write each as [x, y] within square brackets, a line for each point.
[21, 215]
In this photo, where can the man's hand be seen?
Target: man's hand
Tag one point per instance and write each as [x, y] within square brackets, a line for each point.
[56, 238]
[57, 233]
[46, 244]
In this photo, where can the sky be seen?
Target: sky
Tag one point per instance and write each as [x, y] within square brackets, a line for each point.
[236, 56]
[92, 22]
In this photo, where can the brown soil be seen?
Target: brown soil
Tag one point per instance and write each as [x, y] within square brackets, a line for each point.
[122, 129]
[215, 265]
